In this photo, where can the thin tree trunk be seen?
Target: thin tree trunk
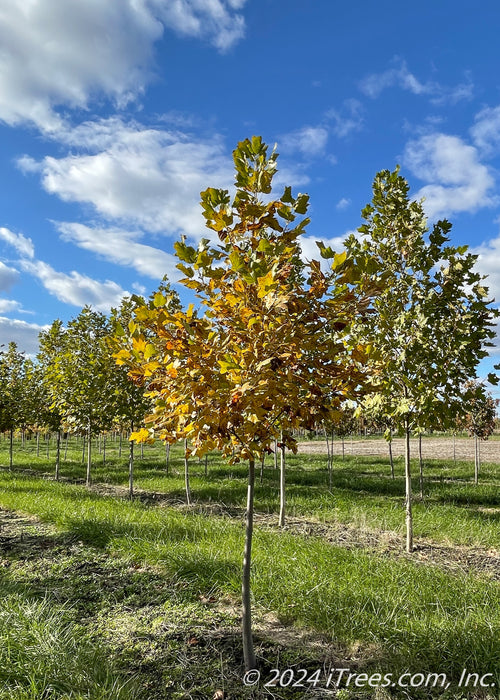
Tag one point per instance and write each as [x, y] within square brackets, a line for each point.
[329, 459]
[476, 460]
[421, 467]
[58, 453]
[167, 456]
[275, 454]
[248, 650]
[408, 504]
[11, 448]
[89, 456]
[281, 521]
[142, 450]
[391, 458]
[131, 466]
[120, 446]
[104, 450]
[186, 474]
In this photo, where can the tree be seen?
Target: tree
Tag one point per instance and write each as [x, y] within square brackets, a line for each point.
[81, 374]
[479, 419]
[432, 318]
[12, 392]
[259, 361]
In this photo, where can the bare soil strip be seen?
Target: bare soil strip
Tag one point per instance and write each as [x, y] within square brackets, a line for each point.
[432, 448]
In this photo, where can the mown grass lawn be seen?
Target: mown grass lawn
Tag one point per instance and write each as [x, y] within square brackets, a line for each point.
[131, 579]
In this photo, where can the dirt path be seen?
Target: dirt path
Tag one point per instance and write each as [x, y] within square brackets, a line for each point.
[432, 448]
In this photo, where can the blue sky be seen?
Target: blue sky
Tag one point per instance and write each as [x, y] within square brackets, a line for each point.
[115, 115]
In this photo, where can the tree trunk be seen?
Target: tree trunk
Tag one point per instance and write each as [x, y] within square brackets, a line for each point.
[167, 456]
[58, 453]
[409, 515]
[120, 446]
[89, 456]
[248, 651]
[275, 454]
[391, 458]
[206, 464]
[104, 450]
[186, 474]
[11, 448]
[281, 521]
[421, 467]
[476, 460]
[131, 467]
[329, 459]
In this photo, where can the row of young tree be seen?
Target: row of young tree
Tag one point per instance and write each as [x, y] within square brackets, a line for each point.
[396, 323]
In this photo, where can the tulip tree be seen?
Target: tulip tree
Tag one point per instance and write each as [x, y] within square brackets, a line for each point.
[479, 419]
[254, 361]
[12, 392]
[80, 373]
[432, 319]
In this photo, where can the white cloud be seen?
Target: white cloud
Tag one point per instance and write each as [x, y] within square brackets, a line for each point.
[75, 288]
[343, 204]
[489, 264]
[486, 130]
[23, 245]
[400, 76]
[121, 247]
[9, 305]
[25, 335]
[147, 177]
[458, 182]
[61, 53]
[347, 119]
[309, 140]
[8, 277]
[310, 250]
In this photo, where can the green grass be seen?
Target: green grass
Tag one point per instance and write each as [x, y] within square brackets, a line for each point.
[403, 615]
[362, 493]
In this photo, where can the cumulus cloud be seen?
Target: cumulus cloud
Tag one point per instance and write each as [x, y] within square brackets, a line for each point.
[23, 245]
[400, 76]
[24, 334]
[489, 264]
[458, 181]
[8, 277]
[75, 288]
[149, 177]
[486, 130]
[309, 140]
[62, 53]
[10, 305]
[122, 248]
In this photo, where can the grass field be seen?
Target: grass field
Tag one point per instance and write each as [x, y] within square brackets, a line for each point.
[140, 599]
